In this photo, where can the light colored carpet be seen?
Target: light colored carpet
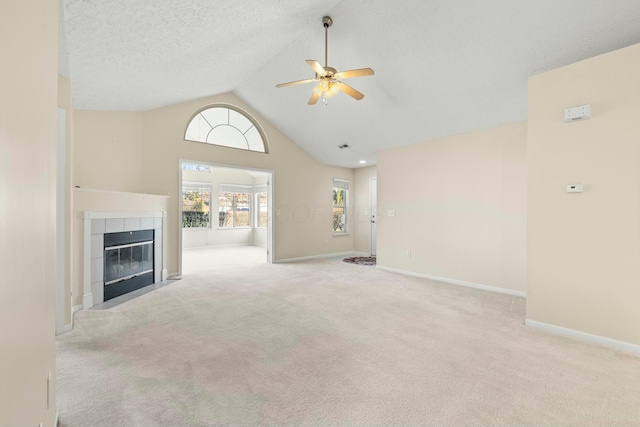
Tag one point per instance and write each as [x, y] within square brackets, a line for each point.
[329, 343]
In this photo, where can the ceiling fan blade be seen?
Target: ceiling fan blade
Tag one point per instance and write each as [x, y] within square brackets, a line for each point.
[314, 97]
[319, 69]
[350, 91]
[297, 82]
[360, 72]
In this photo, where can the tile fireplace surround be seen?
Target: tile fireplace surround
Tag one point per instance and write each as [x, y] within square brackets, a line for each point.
[96, 224]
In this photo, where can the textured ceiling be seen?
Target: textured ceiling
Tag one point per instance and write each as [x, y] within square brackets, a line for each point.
[442, 67]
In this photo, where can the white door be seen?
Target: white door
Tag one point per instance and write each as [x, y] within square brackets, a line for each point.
[373, 194]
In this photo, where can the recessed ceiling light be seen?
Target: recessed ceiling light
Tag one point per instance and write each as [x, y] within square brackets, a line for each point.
[363, 162]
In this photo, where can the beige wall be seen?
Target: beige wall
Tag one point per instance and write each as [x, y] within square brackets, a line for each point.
[65, 102]
[108, 150]
[302, 193]
[584, 249]
[302, 186]
[460, 207]
[28, 88]
[360, 209]
[104, 201]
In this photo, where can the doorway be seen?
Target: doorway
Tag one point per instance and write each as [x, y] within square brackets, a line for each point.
[373, 206]
[225, 217]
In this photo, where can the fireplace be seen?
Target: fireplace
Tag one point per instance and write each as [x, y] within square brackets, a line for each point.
[98, 225]
[128, 262]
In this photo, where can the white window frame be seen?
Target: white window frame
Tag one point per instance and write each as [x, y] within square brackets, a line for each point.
[197, 186]
[236, 189]
[342, 184]
[259, 189]
[252, 135]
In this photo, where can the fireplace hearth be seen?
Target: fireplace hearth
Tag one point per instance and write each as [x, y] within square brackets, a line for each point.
[128, 262]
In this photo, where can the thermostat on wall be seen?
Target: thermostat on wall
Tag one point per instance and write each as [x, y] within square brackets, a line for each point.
[580, 112]
[574, 188]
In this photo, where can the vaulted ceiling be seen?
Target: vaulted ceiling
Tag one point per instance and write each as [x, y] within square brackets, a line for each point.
[442, 67]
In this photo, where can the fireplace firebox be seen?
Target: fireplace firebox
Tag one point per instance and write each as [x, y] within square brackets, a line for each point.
[128, 262]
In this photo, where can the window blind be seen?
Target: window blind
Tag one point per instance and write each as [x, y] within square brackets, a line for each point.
[197, 186]
[341, 183]
[262, 188]
[235, 188]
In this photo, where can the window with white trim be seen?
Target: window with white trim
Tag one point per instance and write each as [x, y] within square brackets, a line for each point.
[234, 208]
[196, 167]
[262, 210]
[340, 202]
[226, 126]
[196, 205]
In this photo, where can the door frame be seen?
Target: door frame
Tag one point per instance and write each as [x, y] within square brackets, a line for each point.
[270, 223]
[373, 210]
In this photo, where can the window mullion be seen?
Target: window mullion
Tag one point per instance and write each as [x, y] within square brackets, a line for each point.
[233, 209]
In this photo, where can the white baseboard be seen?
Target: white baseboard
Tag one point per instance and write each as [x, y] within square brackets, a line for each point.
[304, 258]
[457, 282]
[583, 336]
[235, 245]
[74, 310]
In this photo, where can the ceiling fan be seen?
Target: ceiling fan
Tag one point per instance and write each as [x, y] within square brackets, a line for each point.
[330, 80]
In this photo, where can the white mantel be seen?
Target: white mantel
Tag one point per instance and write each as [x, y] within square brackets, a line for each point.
[96, 224]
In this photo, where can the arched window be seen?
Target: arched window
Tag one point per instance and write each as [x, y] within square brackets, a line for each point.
[227, 126]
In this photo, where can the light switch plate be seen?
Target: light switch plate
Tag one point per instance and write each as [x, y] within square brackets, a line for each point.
[574, 188]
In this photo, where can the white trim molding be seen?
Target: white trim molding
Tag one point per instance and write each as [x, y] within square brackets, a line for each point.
[115, 215]
[457, 282]
[304, 258]
[583, 336]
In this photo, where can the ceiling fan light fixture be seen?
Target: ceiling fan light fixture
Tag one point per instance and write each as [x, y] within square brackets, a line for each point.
[330, 79]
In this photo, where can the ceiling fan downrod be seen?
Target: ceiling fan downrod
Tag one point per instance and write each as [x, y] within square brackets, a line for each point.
[326, 21]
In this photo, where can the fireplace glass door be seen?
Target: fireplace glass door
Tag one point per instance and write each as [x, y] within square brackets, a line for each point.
[127, 261]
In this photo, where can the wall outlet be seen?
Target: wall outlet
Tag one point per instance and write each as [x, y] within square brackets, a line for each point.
[408, 254]
[391, 212]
